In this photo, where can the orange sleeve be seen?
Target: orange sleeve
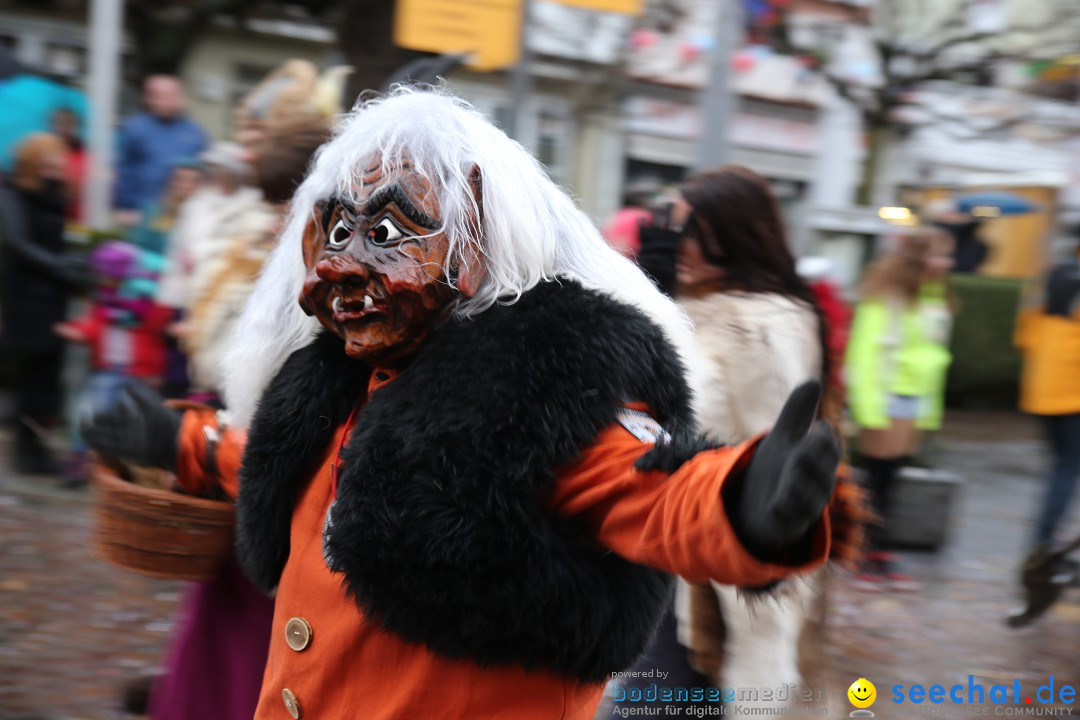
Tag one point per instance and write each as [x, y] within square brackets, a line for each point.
[677, 522]
[200, 468]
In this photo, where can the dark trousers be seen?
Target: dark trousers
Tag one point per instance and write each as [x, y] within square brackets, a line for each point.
[38, 385]
[1063, 432]
[666, 654]
[38, 398]
[880, 474]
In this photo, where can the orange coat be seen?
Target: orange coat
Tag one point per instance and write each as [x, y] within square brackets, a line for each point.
[350, 668]
[1050, 383]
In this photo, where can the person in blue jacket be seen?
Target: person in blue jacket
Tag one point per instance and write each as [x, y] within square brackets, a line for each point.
[151, 143]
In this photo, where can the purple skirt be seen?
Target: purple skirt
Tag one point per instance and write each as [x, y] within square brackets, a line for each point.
[218, 652]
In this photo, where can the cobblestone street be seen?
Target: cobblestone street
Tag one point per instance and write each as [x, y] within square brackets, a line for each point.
[73, 630]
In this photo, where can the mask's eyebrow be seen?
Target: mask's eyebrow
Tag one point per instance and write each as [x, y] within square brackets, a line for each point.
[326, 209]
[394, 194]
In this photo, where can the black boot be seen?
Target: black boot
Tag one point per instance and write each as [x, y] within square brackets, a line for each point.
[25, 448]
[32, 457]
[1044, 577]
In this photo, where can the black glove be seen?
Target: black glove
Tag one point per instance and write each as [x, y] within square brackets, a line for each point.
[135, 427]
[789, 480]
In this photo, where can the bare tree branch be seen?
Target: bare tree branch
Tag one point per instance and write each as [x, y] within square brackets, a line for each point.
[938, 50]
[954, 123]
[842, 87]
[905, 60]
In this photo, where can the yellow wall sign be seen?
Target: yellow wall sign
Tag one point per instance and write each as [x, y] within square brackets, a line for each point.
[626, 7]
[487, 30]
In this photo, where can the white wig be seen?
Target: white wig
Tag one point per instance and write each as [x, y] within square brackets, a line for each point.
[531, 230]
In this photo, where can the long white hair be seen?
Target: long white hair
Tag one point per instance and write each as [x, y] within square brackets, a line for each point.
[531, 230]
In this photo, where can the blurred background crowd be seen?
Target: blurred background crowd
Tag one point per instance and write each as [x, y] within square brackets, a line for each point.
[882, 192]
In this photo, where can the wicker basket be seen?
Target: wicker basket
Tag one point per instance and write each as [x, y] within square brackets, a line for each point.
[159, 533]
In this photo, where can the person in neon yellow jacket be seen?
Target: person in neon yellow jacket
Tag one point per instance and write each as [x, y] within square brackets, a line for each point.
[916, 337]
[895, 365]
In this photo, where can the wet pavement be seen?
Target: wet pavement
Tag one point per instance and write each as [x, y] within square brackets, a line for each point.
[73, 630]
[953, 628]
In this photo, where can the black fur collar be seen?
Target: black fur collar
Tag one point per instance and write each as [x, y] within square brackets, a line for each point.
[440, 527]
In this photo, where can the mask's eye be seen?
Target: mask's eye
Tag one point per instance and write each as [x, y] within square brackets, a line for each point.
[339, 236]
[384, 233]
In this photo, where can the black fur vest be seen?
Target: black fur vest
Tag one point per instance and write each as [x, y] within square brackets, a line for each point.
[440, 528]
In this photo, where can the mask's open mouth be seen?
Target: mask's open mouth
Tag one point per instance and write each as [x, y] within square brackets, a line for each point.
[352, 309]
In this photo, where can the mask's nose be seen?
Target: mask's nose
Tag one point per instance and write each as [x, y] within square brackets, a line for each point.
[344, 272]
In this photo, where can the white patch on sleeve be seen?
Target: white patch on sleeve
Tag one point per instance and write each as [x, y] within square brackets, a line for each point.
[642, 426]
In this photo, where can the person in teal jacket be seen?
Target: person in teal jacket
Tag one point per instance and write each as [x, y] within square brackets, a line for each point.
[895, 365]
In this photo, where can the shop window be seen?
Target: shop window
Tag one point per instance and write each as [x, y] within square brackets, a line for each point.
[552, 143]
[641, 173]
[65, 60]
[245, 78]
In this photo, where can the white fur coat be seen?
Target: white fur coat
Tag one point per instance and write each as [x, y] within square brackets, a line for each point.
[755, 349]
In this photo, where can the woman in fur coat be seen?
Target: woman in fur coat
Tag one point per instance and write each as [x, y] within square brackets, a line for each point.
[761, 334]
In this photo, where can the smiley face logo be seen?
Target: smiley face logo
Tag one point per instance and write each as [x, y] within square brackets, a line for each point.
[862, 693]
